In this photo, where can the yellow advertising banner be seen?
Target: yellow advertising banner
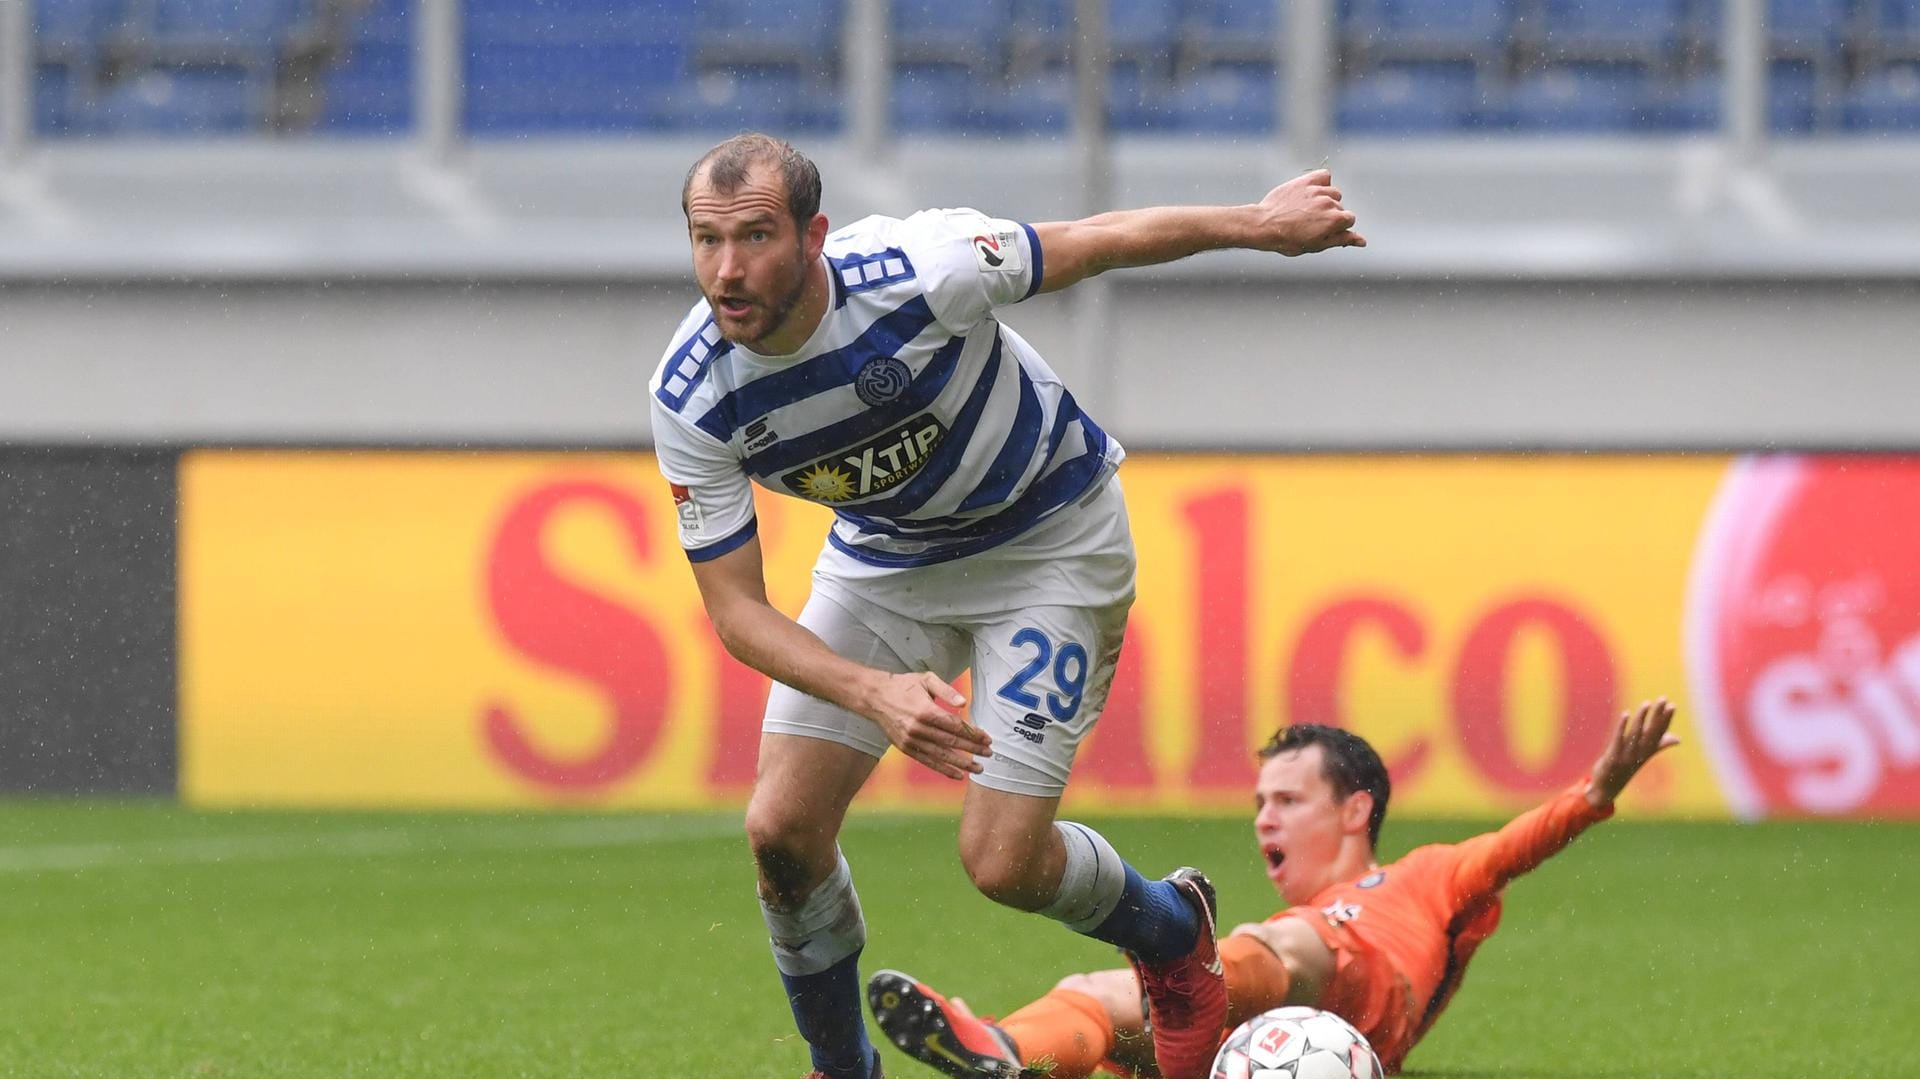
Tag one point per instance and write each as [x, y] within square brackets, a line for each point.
[513, 629]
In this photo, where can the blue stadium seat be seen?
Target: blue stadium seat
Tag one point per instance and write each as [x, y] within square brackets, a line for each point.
[1226, 99]
[1580, 98]
[72, 27]
[1895, 32]
[1596, 28]
[941, 31]
[939, 97]
[1040, 35]
[1810, 23]
[1800, 29]
[798, 33]
[1144, 30]
[69, 39]
[1410, 98]
[57, 101]
[1037, 104]
[1440, 29]
[1230, 31]
[240, 31]
[1694, 105]
[220, 100]
[531, 88]
[1793, 104]
[1887, 100]
[368, 90]
[591, 66]
[1136, 99]
[774, 98]
[1900, 17]
[1792, 97]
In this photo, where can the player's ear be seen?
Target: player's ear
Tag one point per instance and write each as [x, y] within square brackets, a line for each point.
[1355, 812]
[816, 235]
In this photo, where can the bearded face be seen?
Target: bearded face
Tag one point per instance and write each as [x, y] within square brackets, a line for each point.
[751, 261]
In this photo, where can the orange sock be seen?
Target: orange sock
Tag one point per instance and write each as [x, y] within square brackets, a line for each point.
[1072, 1030]
[1256, 979]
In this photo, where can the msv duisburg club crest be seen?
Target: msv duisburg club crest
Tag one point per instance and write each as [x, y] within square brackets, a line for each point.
[882, 379]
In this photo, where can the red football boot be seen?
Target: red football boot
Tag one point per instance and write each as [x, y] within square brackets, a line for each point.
[1187, 997]
[938, 1032]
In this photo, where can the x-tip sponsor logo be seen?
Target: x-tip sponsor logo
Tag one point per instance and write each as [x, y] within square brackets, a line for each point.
[877, 465]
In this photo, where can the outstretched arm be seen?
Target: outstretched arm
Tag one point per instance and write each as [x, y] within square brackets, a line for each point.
[1487, 862]
[1299, 217]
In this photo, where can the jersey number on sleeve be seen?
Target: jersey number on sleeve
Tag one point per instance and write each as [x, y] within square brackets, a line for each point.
[1069, 674]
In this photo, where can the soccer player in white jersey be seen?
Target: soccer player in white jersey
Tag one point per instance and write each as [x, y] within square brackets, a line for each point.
[979, 526]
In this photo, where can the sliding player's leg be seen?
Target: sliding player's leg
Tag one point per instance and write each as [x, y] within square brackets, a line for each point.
[814, 757]
[1087, 1019]
[1090, 1018]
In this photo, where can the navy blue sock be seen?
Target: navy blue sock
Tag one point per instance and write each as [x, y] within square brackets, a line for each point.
[1152, 921]
[826, 1008]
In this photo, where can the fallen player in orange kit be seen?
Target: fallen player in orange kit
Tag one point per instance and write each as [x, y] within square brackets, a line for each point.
[1383, 947]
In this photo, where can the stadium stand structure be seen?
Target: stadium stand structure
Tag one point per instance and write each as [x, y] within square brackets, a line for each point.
[533, 67]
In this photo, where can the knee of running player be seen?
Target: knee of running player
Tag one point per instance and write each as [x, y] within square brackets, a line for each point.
[791, 855]
[1010, 867]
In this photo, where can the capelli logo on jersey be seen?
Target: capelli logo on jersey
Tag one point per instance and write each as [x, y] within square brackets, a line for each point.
[760, 436]
[876, 465]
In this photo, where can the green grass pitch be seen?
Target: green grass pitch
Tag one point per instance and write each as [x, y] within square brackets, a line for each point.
[145, 940]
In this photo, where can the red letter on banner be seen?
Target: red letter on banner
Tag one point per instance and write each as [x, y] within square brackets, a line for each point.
[563, 626]
[1219, 523]
[1320, 659]
[743, 704]
[1116, 756]
[1480, 695]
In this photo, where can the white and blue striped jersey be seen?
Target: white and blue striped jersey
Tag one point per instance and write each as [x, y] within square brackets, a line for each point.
[933, 431]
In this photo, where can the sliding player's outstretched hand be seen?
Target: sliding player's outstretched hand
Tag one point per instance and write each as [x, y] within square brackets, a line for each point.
[917, 713]
[1304, 215]
[1640, 734]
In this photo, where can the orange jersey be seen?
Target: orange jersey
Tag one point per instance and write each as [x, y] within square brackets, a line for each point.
[1402, 935]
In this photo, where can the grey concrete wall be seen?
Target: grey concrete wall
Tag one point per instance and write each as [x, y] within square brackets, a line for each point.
[1255, 364]
[87, 587]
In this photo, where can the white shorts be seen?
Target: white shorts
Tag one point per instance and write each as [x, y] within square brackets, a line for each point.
[1039, 621]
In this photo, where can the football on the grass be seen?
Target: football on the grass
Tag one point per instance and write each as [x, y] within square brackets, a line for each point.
[1296, 1043]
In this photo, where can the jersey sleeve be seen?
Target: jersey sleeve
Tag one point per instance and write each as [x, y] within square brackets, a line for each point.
[712, 496]
[969, 263]
[1484, 864]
